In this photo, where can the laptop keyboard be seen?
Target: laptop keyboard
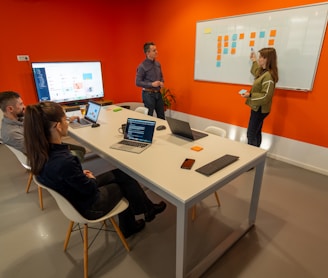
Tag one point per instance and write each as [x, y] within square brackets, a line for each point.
[134, 144]
[84, 122]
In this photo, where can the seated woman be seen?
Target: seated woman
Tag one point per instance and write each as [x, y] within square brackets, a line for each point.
[51, 161]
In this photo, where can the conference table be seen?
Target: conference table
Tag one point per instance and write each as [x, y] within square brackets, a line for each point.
[158, 168]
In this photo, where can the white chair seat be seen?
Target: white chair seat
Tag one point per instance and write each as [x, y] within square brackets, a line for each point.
[74, 216]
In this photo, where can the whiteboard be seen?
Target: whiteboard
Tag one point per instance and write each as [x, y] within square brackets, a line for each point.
[223, 45]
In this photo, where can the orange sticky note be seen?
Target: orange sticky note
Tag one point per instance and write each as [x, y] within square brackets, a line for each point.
[196, 148]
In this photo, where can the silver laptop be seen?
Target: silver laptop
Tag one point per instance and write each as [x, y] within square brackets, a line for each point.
[90, 117]
[182, 129]
[138, 136]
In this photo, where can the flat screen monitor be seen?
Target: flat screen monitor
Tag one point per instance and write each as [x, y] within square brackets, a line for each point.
[68, 82]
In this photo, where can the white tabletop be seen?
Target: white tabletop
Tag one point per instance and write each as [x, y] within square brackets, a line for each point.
[158, 168]
[159, 165]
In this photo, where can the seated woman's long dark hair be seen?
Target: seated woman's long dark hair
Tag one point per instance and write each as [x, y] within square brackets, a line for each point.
[38, 121]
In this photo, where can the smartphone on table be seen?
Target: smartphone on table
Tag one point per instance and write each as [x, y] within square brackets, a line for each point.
[187, 163]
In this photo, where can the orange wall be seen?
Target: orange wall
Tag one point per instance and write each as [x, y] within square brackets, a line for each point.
[114, 32]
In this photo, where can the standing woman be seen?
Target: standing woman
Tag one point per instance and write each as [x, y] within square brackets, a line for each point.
[51, 161]
[265, 72]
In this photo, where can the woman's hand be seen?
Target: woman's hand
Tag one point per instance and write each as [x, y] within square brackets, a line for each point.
[246, 95]
[89, 174]
[252, 56]
[73, 118]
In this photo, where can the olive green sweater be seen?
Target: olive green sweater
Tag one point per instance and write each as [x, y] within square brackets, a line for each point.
[262, 91]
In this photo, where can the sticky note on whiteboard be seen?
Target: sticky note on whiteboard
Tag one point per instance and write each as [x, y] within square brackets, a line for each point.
[208, 30]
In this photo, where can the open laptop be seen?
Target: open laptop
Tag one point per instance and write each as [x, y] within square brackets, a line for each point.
[138, 136]
[91, 116]
[182, 128]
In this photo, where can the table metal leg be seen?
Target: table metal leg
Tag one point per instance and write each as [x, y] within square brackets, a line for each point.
[229, 241]
[256, 192]
[181, 239]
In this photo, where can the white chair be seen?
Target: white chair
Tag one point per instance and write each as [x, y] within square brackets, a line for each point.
[142, 110]
[23, 161]
[132, 105]
[216, 131]
[219, 132]
[75, 217]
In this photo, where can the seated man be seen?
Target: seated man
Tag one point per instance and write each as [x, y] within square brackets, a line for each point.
[12, 128]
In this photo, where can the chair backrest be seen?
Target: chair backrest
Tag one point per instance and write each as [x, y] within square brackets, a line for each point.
[216, 131]
[20, 156]
[142, 110]
[72, 214]
[65, 206]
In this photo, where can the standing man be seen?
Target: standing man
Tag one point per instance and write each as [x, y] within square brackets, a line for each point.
[150, 79]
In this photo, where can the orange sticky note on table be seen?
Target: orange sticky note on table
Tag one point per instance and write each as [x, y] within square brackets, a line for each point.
[196, 148]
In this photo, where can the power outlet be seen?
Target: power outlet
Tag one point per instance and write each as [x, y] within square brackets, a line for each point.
[23, 58]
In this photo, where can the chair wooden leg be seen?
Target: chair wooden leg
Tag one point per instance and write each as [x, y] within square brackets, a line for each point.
[40, 197]
[118, 230]
[193, 213]
[85, 250]
[217, 198]
[29, 182]
[68, 234]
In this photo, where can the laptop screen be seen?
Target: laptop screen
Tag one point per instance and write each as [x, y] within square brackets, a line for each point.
[139, 130]
[93, 111]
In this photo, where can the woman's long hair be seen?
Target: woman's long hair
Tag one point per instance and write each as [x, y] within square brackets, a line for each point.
[270, 54]
[38, 121]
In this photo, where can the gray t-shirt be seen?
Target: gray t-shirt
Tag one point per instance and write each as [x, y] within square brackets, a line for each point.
[12, 133]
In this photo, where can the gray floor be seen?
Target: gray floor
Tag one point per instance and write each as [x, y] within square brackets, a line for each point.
[290, 238]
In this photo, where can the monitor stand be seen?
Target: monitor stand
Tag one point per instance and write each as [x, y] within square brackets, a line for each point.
[76, 103]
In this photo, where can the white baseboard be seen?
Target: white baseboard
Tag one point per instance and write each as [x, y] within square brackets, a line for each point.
[307, 156]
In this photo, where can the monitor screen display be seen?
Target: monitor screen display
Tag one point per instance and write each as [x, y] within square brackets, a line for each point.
[66, 82]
